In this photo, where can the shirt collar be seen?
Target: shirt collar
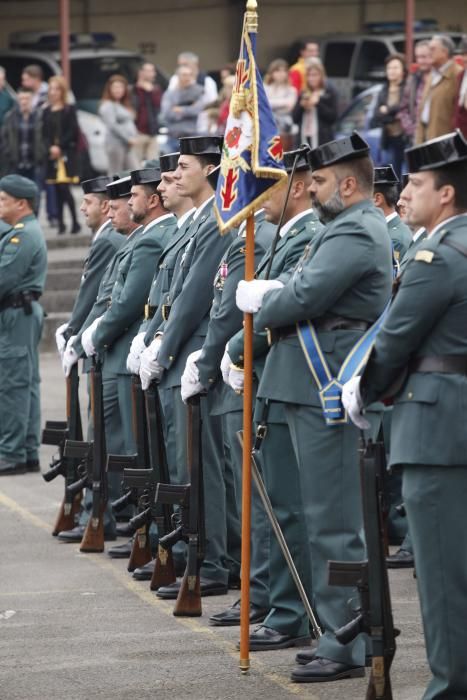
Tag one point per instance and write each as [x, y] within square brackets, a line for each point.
[419, 232]
[157, 221]
[100, 229]
[291, 222]
[200, 209]
[184, 217]
[390, 217]
[443, 223]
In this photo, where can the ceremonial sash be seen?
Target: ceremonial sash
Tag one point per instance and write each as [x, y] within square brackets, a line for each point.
[329, 387]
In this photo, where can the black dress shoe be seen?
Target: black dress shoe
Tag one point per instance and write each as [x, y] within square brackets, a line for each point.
[32, 465]
[144, 573]
[8, 468]
[207, 586]
[324, 670]
[231, 616]
[121, 551]
[402, 559]
[234, 581]
[74, 535]
[267, 639]
[306, 655]
[125, 530]
[61, 228]
[76, 228]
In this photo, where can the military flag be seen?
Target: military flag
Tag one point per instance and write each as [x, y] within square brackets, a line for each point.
[252, 152]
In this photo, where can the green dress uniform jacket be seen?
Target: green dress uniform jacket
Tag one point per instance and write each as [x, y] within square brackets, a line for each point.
[346, 273]
[121, 320]
[401, 237]
[23, 268]
[160, 286]
[191, 294]
[428, 318]
[102, 250]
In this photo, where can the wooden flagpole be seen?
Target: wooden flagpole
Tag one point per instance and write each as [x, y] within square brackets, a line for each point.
[246, 464]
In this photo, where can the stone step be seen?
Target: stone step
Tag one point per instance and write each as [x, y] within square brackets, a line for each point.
[60, 263]
[51, 323]
[64, 278]
[80, 240]
[58, 300]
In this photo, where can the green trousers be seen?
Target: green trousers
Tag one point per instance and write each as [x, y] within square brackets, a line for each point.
[259, 556]
[19, 383]
[435, 499]
[330, 487]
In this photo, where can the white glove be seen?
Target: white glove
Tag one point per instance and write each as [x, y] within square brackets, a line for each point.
[134, 356]
[59, 338]
[236, 379]
[86, 338]
[191, 371]
[225, 365]
[250, 295]
[190, 385]
[352, 402]
[70, 356]
[149, 368]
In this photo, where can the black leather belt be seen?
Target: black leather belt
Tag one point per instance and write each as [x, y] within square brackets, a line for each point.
[20, 300]
[445, 364]
[325, 323]
[149, 311]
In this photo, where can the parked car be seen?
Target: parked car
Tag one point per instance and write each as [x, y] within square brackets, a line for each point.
[357, 117]
[92, 61]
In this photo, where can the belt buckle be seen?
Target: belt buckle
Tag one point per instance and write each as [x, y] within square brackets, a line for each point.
[331, 402]
[165, 311]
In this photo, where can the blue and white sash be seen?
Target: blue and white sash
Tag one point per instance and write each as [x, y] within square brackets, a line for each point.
[330, 388]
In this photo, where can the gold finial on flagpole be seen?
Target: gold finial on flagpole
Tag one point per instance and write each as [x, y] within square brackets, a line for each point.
[251, 16]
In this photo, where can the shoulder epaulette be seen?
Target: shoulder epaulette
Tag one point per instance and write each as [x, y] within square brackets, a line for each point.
[424, 255]
[18, 227]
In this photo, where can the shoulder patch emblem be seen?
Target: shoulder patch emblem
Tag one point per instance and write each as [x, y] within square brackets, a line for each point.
[424, 255]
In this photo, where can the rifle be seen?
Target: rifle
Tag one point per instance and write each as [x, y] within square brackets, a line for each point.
[371, 579]
[56, 433]
[93, 538]
[190, 528]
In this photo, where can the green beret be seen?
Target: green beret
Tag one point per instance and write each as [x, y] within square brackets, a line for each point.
[19, 187]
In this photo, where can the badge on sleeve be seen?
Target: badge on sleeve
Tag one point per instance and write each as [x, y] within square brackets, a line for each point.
[424, 255]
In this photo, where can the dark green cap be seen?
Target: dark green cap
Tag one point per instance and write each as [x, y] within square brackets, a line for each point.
[19, 187]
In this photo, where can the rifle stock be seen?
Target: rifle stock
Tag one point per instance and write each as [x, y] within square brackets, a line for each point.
[93, 538]
[56, 433]
[188, 603]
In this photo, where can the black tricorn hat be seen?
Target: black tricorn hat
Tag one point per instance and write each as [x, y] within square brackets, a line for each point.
[404, 180]
[301, 154]
[145, 176]
[201, 145]
[213, 177]
[119, 188]
[169, 162]
[97, 185]
[437, 153]
[385, 175]
[346, 148]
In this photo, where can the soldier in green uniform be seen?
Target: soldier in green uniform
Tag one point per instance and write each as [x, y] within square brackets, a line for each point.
[111, 334]
[423, 344]
[23, 268]
[385, 196]
[119, 213]
[202, 373]
[318, 317]
[183, 331]
[286, 624]
[105, 243]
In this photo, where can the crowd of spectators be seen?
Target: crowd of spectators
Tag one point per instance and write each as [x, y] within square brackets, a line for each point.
[40, 136]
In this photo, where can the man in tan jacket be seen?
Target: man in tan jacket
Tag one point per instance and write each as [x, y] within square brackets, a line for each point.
[436, 111]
